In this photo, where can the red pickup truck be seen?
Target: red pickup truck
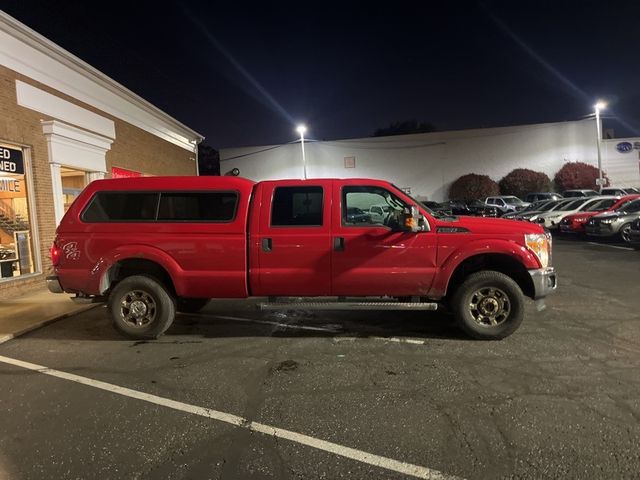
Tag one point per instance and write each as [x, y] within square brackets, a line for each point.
[154, 246]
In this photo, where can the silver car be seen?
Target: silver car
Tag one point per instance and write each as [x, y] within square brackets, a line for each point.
[615, 223]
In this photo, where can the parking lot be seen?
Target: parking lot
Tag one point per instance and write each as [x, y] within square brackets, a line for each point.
[237, 393]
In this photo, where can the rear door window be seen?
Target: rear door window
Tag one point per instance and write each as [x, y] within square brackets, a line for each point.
[297, 206]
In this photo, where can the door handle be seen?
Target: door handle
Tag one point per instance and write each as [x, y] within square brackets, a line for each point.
[338, 244]
[267, 245]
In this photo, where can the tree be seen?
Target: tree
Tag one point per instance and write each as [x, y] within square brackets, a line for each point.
[578, 175]
[521, 181]
[404, 128]
[208, 160]
[473, 186]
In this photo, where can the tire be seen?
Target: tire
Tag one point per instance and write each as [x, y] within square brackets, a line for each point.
[625, 233]
[191, 305]
[488, 305]
[141, 308]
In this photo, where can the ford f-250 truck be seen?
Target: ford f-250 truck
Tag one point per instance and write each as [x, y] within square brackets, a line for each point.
[151, 247]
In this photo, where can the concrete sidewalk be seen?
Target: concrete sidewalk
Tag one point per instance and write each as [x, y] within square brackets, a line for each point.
[33, 310]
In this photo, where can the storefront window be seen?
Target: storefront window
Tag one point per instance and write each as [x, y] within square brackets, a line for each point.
[16, 245]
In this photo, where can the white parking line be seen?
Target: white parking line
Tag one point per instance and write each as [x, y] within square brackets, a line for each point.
[611, 246]
[347, 452]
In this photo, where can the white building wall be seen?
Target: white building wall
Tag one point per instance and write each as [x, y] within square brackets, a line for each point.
[428, 163]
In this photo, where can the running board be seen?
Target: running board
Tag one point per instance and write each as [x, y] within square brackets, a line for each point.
[348, 306]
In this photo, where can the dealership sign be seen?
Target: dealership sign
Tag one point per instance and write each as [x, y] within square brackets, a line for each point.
[11, 161]
[624, 147]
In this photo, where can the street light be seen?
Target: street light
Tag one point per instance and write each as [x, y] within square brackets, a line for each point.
[301, 130]
[599, 106]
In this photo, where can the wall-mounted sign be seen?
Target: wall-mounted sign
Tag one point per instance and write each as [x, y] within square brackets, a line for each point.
[349, 162]
[11, 161]
[624, 147]
[123, 173]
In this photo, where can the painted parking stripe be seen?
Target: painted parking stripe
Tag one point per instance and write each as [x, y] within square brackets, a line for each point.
[337, 449]
[611, 246]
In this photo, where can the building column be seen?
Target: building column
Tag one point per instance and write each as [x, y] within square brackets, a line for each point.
[56, 182]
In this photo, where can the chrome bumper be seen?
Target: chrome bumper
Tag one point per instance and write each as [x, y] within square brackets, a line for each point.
[53, 284]
[544, 282]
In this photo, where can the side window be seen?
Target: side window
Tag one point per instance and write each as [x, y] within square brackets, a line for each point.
[197, 206]
[491, 201]
[121, 207]
[297, 206]
[370, 206]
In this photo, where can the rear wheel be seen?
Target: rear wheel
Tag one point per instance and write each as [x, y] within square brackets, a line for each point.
[141, 307]
[488, 305]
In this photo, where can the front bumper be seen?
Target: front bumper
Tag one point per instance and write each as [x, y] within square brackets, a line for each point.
[53, 284]
[544, 282]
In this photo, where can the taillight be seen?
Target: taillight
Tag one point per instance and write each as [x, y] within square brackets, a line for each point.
[55, 253]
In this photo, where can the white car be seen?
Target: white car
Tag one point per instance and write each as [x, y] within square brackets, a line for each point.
[552, 218]
[506, 203]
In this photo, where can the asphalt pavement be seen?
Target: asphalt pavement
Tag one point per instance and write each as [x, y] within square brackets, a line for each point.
[237, 393]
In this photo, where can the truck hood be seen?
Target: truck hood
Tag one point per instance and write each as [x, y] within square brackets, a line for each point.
[487, 225]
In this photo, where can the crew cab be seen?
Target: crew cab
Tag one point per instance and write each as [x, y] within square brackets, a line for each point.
[153, 246]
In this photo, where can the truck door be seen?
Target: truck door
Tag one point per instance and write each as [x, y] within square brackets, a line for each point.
[293, 241]
[370, 255]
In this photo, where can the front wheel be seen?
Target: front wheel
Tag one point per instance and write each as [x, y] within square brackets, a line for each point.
[625, 233]
[488, 305]
[141, 307]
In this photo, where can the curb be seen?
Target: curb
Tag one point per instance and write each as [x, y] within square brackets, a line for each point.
[43, 323]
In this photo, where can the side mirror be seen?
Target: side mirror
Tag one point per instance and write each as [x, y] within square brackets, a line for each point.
[411, 221]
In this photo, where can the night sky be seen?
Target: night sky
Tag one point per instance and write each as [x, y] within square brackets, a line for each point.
[245, 74]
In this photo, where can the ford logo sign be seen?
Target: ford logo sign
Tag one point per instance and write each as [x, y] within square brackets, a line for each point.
[624, 147]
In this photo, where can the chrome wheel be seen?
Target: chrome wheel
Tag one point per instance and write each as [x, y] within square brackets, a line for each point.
[625, 233]
[138, 308]
[489, 306]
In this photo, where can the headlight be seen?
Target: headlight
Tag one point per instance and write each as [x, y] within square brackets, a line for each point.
[539, 244]
[608, 220]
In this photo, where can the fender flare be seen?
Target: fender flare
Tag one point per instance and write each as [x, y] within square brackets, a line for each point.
[100, 270]
[474, 248]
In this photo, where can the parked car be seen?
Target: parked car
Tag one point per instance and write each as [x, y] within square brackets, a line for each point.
[579, 193]
[480, 209]
[634, 231]
[619, 191]
[435, 207]
[534, 207]
[153, 246]
[552, 218]
[457, 207]
[617, 223]
[548, 207]
[357, 215]
[506, 203]
[575, 222]
[537, 196]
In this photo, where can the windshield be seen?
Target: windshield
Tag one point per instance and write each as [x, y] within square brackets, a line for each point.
[601, 205]
[570, 206]
[550, 205]
[512, 200]
[630, 207]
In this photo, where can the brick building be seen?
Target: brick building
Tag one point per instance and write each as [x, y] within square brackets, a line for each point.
[63, 124]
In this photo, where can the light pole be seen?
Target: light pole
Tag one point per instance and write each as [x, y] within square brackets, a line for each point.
[599, 106]
[301, 130]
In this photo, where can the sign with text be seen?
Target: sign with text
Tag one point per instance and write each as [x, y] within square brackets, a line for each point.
[123, 173]
[11, 161]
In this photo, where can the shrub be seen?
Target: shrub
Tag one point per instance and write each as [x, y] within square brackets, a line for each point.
[521, 181]
[472, 186]
[577, 175]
